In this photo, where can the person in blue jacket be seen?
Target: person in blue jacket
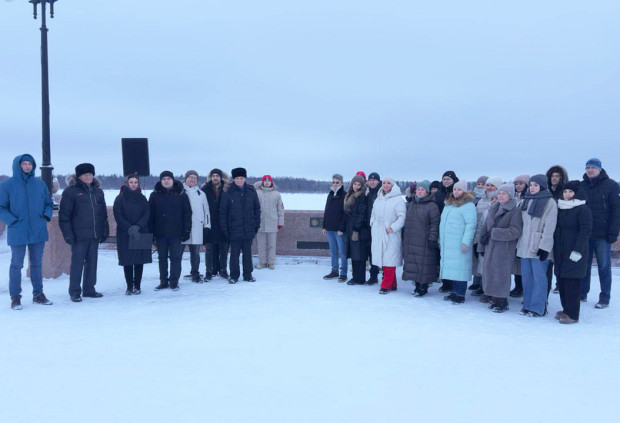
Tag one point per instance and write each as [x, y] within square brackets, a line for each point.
[25, 208]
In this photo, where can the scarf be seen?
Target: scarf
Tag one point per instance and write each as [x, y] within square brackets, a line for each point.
[570, 204]
[479, 192]
[539, 202]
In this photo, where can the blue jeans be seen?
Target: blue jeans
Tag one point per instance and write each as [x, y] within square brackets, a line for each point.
[534, 276]
[35, 255]
[602, 249]
[338, 250]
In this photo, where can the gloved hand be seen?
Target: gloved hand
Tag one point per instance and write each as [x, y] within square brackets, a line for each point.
[185, 236]
[432, 245]
[542, 254]
[464, 248]
[575, 256]
[134, 232]
[355, 236]
[69, 240]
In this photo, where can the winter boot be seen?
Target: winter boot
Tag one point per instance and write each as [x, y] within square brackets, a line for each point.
[136, 288]
[478, 292]
[129, 290]
[162, 285]
[383, 291]
[500, 305]
[601, 305]
[174, 286]
[474, 286]
[342, 278]
[196, 279]
[250, 279]
[449, 297]
[224, 274]
[559, 315]
[261, 266]
[16, 303]
[485, 299]
[458, 299]
[41, 299]
[372, 280]
[332, 275]
[208, 276]
[517, 292]
[567, 320]
[271, 267]
[446, 286]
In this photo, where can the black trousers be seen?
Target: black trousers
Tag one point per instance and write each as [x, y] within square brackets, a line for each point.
[374, 270]
[570, 291]
[133, 275]
[519, 282]
[169, 247]
[83, 263]
[242, 246]
[549, 277]
[194, 259]
[359, 271]
[216, 257]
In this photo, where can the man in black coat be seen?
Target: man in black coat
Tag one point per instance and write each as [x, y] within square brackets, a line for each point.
[83, 220]
[448, 180]
[240, 220]
[216, 245]
[374, 185]
[604, 202]
[171, 224]
[334, 225]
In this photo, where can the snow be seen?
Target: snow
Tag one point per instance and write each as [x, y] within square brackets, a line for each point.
[293, 347]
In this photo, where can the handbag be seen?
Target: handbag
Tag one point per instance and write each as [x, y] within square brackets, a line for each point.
[142, 242]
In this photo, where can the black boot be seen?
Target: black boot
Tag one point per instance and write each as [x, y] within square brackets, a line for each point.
[372, 280]
[136, 287]
[129, 290]
[332, 275]
[162, 285]
[446, 286]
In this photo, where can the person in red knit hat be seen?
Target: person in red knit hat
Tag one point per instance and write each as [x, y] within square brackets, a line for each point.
[271, 221]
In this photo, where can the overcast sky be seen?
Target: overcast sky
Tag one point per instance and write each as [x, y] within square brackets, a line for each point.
[308, 88]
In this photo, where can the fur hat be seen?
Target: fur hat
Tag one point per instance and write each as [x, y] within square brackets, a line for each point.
[190, 172]
[239, 172]
[523, 178]
[540, 180]
[451, 174]
[166, 173]
[594, 162]
[461, 185]
[426, 185]
[84, 168]
[482, 180]
[375, 176]
[216, 171]
[508, 188]
[496, 181]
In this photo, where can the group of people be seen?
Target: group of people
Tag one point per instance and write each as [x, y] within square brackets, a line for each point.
[531, 229]
[222, 216]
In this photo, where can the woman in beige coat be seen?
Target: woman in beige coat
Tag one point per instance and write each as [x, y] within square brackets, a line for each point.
[271, 221]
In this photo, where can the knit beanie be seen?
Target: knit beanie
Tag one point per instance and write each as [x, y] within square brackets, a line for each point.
[460, 185]
[375, 176]
[509, 189]
[451, 174]
[482, 180]
[426, 185]
[496, 181]
[84, 168]
[390, 180]
[361, 173]
[358, 178]
[216, 171]
[239, 172]
[594, 162]
[435, 184]
[166, 173]
[540, 180]
[268, 177]
[523, 178]
[190, 172]
[574, 186]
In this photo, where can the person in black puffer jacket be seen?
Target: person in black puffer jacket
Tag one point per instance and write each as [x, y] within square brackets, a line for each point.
[334, 227]
[603, 199]
[374, 185]
[216, 245]
[131, 212]
[171, 224]
[557, 177]
[83, 220]
[357, 231]
[570, 249]
[448, 180]
[240, 221]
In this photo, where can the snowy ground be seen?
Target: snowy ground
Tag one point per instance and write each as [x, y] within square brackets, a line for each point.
[295, 348]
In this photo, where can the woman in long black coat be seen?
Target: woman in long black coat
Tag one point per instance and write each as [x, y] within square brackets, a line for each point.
[357, 231]
[570, 249]
[131, 212]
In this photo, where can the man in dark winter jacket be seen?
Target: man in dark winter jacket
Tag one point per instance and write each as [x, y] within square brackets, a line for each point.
[83, 220]
[171, 224]
[604, 202]
[374, 185]
[25, 207]
[216, 245]
[557, 177]
[448, 180]
[334, 225]
[240, 221]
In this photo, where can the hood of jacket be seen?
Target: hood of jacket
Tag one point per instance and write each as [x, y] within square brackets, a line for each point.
[396, 192]
[71, 180]
[467, 197]
[557, 169]
[177, 188]
[17, 169]
[601, 177]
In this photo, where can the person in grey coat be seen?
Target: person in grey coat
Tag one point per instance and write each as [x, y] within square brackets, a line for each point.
[497, 244]
[421, 233]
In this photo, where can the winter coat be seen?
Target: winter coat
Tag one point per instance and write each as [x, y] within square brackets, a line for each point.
[271, 207]
[171, 212]
[25, 206]
[421, 226]
[604, 203]
[441, 195]
[389, 211]
[83, 214]
[557, 192]
[457, 227]
[333, 217]
[131, 208]
[201, 217]
[356, 221]
[482, 206]
[240, 213]
[538, 232]
[500, 252]
[371, 196]
[572, 233]
[214, 199]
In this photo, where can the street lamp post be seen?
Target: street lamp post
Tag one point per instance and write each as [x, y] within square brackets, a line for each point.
[46, 165]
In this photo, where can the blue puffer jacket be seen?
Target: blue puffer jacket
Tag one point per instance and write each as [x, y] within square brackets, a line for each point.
[457, 227]
[25, 205]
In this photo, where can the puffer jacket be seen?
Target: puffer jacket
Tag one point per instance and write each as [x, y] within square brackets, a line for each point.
[356, 222]
[83, 213]
[271, 207]
[201, 217]
[604, 203]
[214, 198]
[389, 211]
[131, 208]
[457, 227]
[171, 212]
[557, 192]
[25, 205]
[421, 226]
[333, 217]
[240, 213]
